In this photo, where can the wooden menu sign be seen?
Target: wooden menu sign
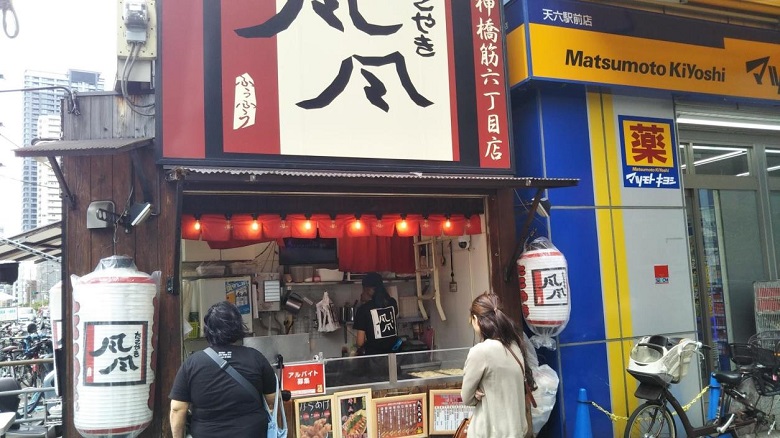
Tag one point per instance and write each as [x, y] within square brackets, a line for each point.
[403, 416]
[314, 417]
[447, 411]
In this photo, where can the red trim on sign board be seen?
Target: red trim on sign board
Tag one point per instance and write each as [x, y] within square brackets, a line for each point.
[453, 83]
[258, 58]
[182, 80]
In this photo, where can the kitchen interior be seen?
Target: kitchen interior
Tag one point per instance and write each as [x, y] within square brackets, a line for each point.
[299, 301]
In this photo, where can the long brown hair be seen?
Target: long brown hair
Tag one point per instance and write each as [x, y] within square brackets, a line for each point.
[493, 322]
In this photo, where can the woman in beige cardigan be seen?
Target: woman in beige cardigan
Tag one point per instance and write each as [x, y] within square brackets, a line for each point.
[493, 377]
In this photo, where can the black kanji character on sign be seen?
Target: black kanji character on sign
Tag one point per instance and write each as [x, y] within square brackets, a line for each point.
[325, 9]
[112, 343]
[424, 46]
[123, 362]
[375, 89]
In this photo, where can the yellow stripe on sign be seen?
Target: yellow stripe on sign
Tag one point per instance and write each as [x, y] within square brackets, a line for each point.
[517, 55]
[605, 156]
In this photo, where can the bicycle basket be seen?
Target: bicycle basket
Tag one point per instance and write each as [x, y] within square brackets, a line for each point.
[742, 354]
[767, 357]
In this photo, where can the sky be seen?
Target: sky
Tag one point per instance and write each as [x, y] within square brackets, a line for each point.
[54, 36]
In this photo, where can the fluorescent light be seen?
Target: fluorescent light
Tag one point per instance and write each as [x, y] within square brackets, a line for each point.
[728, 123]
[719, 158]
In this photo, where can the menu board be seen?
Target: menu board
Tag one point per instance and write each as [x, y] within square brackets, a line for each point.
[353, 414]
[403, 416]
[447, 411]
[314, 417]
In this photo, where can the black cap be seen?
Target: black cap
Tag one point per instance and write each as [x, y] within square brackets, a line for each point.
[372, 279]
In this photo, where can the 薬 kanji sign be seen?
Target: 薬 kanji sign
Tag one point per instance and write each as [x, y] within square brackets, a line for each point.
[649, 153]
[415, 83]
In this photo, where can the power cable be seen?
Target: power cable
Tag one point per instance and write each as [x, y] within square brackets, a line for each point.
[127, 68]
[29, 183]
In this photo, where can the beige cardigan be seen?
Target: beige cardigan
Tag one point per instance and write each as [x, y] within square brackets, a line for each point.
[493, 370]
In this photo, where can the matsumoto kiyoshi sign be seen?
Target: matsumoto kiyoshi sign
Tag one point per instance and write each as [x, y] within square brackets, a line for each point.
[587, 42]
[416, 83]
[648, 151]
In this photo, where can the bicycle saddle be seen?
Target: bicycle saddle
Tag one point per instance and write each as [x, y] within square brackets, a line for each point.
[728, 377]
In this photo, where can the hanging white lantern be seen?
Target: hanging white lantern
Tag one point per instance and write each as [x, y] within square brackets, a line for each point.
[114, 315]
[544, 291]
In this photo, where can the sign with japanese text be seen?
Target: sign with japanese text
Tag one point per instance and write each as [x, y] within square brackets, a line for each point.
[592, 43]
[413, 83]
[314, 417]
[115, 353]
[649, 153]
[304, 379]
[400, 416]
[447, 411]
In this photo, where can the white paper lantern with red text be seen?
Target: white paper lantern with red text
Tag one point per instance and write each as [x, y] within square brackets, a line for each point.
[114, 314]
[544, 291]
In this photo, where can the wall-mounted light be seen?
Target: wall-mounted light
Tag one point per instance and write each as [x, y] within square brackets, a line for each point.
[307, 224]
[228, 223]
[358, 225]
[403, 225]
[447, 223]
[197, 222]
[255, 224]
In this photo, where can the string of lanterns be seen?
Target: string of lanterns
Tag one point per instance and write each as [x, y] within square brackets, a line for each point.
[255, 227]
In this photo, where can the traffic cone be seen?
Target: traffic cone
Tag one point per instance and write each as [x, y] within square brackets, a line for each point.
[582, 427]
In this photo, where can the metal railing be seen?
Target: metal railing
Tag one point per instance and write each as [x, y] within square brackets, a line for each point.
[25, 393]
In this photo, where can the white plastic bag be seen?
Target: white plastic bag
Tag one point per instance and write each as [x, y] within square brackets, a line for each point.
[326, 320]
[546, 389]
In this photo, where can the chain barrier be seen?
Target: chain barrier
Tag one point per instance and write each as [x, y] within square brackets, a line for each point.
[7, 7]
[615, 418]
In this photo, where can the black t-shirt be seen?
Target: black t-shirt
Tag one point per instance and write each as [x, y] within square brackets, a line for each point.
[380, 326]
[220, 406]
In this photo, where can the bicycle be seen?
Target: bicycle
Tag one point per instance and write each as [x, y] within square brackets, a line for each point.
[658, 362]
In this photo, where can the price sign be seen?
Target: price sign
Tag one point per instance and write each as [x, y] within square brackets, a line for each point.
[447, 411]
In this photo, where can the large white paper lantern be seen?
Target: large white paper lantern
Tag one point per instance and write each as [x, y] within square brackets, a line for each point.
[114, 310]
[544, 291]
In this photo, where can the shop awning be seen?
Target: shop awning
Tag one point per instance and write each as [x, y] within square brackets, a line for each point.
[103, 146]
[309, 177]
[37, 245]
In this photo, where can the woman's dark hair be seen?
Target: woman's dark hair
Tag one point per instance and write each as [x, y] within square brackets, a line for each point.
[495, 324]
[381, 298]
[223, 325]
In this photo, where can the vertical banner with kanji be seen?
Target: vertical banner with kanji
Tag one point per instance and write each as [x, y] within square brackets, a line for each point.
[649, 153]
[115, 353]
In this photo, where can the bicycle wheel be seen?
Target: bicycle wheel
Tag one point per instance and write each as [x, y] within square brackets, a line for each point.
[752, 400]
[651, 420]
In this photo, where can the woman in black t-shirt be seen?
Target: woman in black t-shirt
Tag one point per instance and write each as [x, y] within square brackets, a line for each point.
[375, 320]
[220, 406]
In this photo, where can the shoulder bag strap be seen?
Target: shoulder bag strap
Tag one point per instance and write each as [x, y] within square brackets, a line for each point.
[233, 373]
[528, 390]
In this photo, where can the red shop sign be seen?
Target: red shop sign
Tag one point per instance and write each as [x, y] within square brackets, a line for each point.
[304, 379]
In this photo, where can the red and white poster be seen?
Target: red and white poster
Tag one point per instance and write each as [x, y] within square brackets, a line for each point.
[304, 379]
[417, 82]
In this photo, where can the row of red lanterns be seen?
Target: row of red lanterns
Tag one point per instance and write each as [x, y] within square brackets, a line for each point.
[221, 228]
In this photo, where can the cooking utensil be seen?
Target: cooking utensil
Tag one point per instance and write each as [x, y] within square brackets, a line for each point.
[293, 303]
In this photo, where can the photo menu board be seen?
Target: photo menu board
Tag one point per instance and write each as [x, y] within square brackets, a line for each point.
[314, 417]
[447, 411]
[403, 416]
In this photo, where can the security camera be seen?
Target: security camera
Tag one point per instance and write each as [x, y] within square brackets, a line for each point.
[464, 242]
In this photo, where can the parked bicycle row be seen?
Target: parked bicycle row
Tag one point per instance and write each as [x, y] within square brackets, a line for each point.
[743, 402]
